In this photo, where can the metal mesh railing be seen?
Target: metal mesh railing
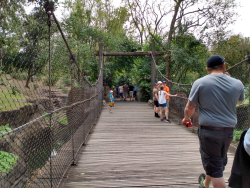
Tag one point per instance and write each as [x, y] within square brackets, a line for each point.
[47, 108]
[177, 104]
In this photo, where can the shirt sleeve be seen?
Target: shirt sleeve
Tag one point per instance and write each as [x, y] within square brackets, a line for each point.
[242, 93]
[194, 93]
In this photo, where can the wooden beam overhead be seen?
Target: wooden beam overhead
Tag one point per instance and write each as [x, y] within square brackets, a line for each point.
[129, 53]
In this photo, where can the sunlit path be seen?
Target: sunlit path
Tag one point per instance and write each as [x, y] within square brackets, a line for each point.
[132, 148]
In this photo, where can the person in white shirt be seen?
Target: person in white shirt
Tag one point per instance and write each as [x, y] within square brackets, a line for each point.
[163, 102]
[121, 91]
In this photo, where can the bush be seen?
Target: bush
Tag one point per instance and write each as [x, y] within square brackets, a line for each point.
[7, 161]
[237, 135]
[36, 86]
[54, 80]
[63, 88]
[4, 129]
[15, 90]
[66, 80]
[38, 77]
[2, 81]
[63, 120]
[19, 75]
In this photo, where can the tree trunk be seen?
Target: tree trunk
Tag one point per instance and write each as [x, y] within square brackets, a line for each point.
[1, 59]
[170, 37]
[29, 76]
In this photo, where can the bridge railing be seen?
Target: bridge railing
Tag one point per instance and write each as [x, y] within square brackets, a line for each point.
[47, 106]
[239, 71]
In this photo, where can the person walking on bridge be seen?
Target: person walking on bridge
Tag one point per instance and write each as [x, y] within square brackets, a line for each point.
[131, 91]
[162, 101]
[135, 91]
[156, 99]
[166, 88]
[111, 101]
[125, 91]
[121, 91]
[217, 95]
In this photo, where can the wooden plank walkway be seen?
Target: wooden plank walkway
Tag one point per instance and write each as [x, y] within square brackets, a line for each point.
[131, 148]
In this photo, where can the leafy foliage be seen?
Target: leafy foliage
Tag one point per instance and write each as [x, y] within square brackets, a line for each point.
[63, 120]
[7, 162]
[188, 55]
[4, 129]
[237, 135]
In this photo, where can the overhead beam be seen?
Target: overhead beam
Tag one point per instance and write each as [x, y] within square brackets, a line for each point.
[129, 53]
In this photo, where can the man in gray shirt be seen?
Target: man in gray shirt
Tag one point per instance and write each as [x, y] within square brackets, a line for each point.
[217, 95]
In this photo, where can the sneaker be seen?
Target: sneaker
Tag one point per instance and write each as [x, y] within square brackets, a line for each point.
[167, 120]
[201, 180]
[111, 112]
[163, 120]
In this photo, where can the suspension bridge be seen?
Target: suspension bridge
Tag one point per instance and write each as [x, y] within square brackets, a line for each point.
[69, 139]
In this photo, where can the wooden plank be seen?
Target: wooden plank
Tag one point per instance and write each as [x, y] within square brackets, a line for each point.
[132, 148]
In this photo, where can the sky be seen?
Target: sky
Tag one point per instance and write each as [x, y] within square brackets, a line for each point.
[241, 25]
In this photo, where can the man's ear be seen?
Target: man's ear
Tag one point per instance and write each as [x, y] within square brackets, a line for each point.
[207, 70]
[224, 67]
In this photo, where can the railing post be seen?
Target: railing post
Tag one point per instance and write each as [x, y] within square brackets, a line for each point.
[71, 59]
[152, 69]
[101, 59]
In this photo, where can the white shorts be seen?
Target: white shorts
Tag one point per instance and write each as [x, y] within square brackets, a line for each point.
[131, 93]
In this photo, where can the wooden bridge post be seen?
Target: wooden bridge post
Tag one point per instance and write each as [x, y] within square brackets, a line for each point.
[152, 69]
[101, 58]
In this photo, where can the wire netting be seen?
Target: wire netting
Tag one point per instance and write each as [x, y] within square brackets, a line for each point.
[47, 108]
[177, 104]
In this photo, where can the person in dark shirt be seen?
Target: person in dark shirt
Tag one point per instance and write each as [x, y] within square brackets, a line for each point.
[216, 95]
[125, 91]
[117, 92]
[131, 91]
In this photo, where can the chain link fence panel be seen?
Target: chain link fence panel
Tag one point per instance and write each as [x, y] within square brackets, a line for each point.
[47, 108]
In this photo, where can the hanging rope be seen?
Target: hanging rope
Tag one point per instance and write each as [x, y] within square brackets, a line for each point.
[180, 84]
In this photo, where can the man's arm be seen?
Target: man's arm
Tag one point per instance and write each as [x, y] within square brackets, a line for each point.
[188, 112]
[170, 94]
[156, 96]
[239, 102]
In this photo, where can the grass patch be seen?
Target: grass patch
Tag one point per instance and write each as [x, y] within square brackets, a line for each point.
[7, 101]
[7, 162]
[63, 120]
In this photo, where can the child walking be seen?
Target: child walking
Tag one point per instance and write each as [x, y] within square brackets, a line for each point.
[111, 101]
